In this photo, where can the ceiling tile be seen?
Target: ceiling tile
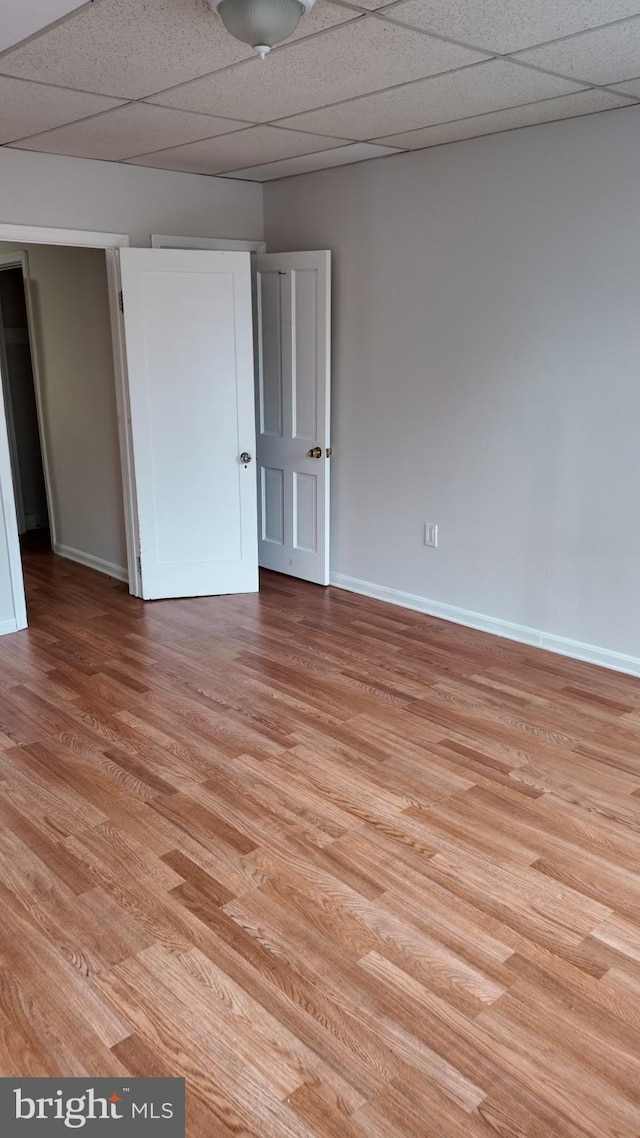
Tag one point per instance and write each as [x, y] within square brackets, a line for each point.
[305, 163]
[567, 106]
[361, 56]
[133, 129]
[20, 19]
[486, 87]
[237, 151]
[129, 48]
[630, 87]
[29, 107]
[371, 5]
[606, 55]
[323, 15]
[509, 25]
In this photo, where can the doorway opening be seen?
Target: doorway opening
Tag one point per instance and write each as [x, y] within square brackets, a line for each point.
[177, 330]
[58, 377]
[21, 411]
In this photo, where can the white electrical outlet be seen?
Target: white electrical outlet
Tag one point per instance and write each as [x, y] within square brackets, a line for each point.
[431, 535]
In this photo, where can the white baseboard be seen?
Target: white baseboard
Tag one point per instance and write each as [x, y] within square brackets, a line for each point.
[9, 626]
[91, 562]
[605, 657]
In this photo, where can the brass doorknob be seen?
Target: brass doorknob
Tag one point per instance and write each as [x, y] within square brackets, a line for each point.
[315, 452]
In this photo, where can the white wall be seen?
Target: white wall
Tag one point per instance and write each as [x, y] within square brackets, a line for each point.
[77, 193]
[487, 372]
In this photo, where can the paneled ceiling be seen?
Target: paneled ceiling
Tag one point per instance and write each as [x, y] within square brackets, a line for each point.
[161, 83]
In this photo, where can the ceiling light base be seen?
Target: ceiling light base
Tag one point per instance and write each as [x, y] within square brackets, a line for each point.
[261, 23]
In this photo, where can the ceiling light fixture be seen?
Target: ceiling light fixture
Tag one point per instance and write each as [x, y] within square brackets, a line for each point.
[261, 23]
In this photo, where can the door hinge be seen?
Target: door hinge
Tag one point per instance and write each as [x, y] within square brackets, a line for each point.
[121, 301]
[139, 564]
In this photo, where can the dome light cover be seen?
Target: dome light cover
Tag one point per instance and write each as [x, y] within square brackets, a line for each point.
[261, 23]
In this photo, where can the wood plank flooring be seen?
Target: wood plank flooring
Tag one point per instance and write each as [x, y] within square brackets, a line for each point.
[353, 872]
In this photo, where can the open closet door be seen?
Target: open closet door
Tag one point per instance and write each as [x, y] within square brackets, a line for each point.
[294, 447]
[189, 349]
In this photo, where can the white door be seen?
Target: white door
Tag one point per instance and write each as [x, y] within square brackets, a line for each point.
[189, 349]
[293, 412]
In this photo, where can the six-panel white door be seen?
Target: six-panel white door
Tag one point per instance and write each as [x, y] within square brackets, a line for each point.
[189, 348]
[293, 412]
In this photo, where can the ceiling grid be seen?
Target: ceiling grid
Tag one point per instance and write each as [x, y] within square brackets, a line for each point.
[161, 83]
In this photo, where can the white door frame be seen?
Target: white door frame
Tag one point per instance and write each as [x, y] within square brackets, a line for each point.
[228, 244]
[110, 242]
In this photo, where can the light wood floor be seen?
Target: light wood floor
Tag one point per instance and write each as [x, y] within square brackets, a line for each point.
[351, 871]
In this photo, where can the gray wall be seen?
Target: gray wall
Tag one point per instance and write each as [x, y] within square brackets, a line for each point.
[72, 330]
[77, 193]
[487, 371]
